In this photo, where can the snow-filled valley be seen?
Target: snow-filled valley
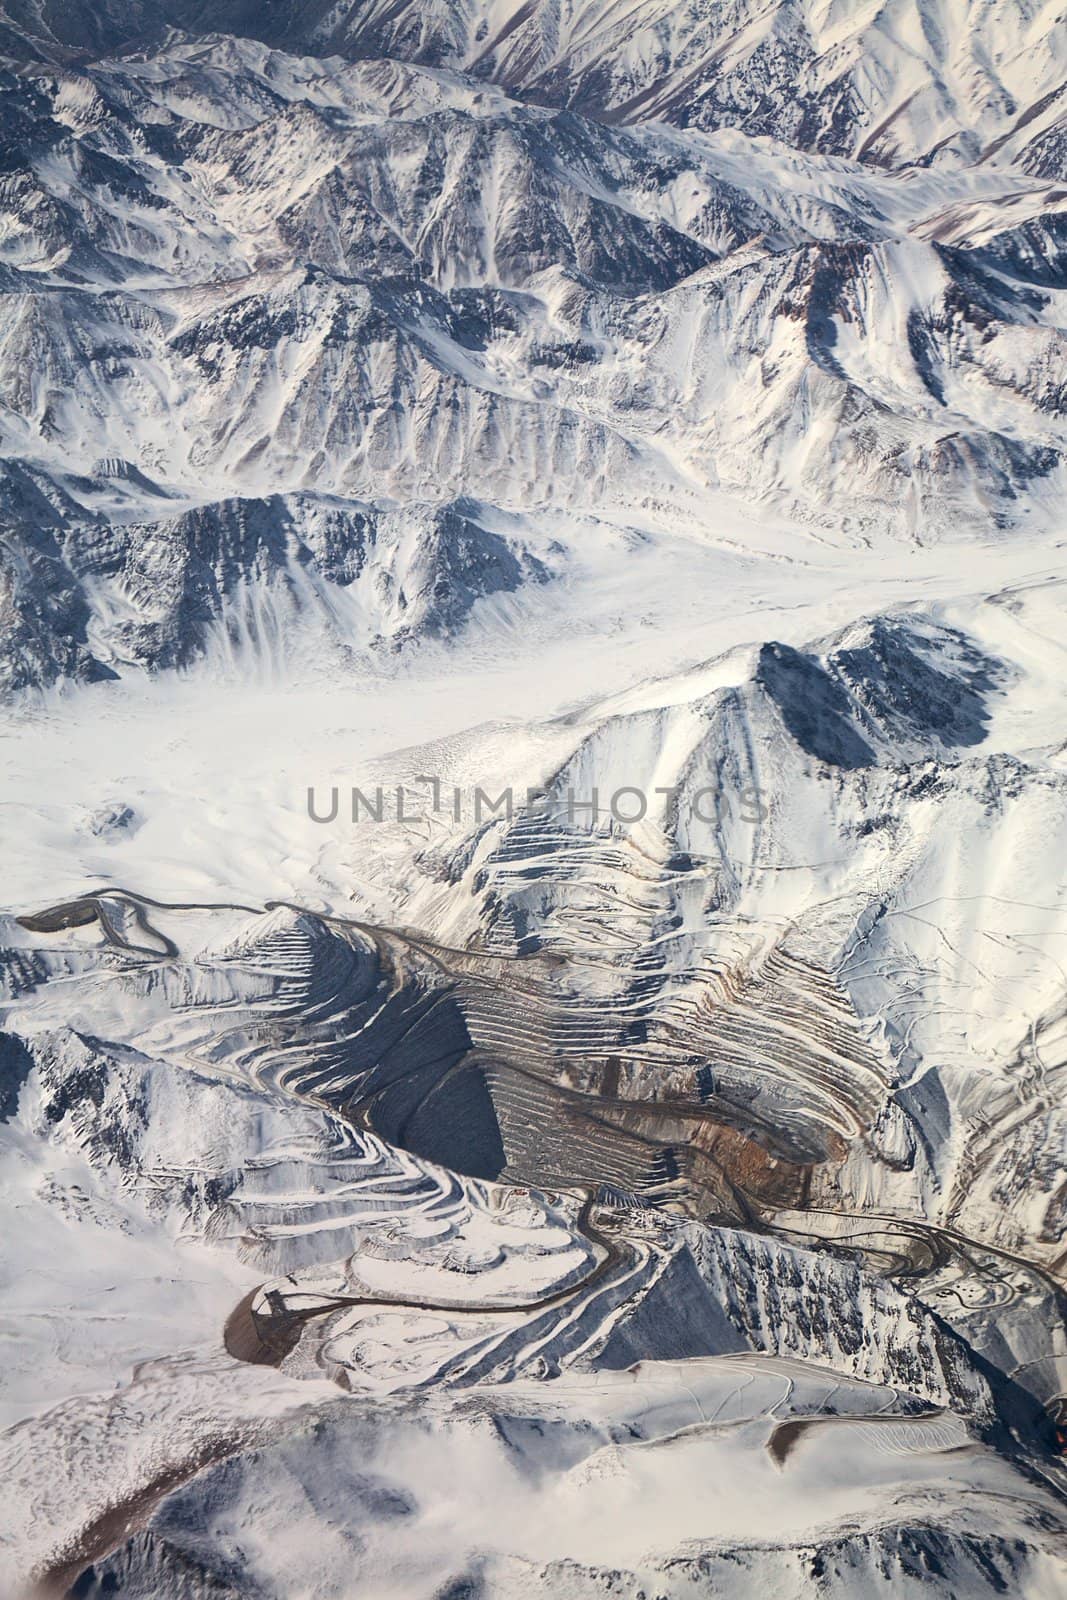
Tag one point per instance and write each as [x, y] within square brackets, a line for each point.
[533, 924]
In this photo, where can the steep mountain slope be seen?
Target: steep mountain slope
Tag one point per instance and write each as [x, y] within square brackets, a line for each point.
[886, 83]
[532, 991]
[232, 273]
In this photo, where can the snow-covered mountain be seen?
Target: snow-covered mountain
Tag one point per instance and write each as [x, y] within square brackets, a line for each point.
[533, 1016]
[885, 83]
[231, 273]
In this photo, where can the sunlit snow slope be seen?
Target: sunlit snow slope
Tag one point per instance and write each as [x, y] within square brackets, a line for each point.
[533, 993]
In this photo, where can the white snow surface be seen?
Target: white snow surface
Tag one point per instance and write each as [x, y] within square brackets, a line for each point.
[623, 447]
